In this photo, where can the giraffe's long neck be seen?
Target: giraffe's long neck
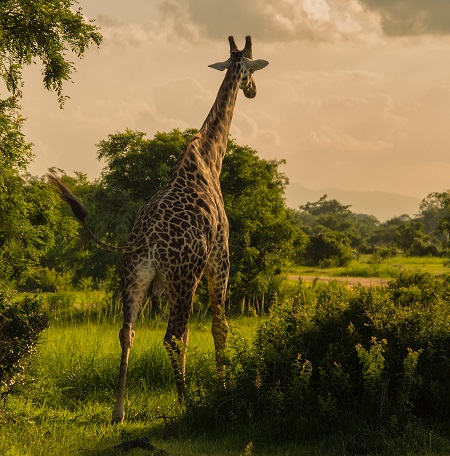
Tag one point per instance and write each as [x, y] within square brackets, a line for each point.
[216, 127]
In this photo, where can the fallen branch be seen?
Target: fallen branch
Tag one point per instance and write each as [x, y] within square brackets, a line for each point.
[142, 443]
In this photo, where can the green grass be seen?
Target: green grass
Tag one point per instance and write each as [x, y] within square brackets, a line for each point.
[367, 266]
[431, 265]
[66, 409]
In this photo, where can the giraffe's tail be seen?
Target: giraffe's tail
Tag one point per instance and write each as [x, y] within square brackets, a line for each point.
[81, 213]
[76, 205]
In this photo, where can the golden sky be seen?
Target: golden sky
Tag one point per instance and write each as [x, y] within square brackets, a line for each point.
[356, 96]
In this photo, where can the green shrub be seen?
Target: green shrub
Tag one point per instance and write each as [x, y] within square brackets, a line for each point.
[329, 249]
[336, 358]
[381, 253]
[49, 280]
[20, 325]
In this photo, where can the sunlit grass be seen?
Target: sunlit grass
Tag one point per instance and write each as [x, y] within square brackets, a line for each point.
[368, 266]
[67, 408]
[432, 265]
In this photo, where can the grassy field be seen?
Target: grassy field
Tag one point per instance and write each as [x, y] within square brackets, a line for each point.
[66, 408]
[367, 266]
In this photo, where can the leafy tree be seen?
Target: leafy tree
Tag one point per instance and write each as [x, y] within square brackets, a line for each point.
[385, 235]
[335, 216]
[333, 230]
[253, 188]
[325, 207]
[46, 30]
[27, 213]
[43, 29]
[29, 30]
[434, 213]
[260, 232]
[366, 222]
[299, 240]
[405, 235]
[72, 245]
[411, 238]
[138, 164]
[328, 249]
[15, 154]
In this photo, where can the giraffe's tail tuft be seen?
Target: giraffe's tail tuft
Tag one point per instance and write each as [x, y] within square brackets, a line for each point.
[78, 209]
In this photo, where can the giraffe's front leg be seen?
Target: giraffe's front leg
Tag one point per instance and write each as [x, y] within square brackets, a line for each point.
[217, 274]
[177, 336]
[177, 355]
[219, 331]
[126, 337]
[176, 342]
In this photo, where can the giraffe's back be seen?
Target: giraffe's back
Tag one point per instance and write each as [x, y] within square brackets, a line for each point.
[182, 226]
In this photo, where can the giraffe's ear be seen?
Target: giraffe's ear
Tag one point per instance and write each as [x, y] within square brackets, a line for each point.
[256, 64]
[220, 65]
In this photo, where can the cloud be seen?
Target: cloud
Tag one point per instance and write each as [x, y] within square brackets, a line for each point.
[371, 141]
[412, 17]
[183, 99]
[337, 76]
[130, 34]
[279, 20]
[347, 125]
[283, 20]
[257, 129]
[427, 135]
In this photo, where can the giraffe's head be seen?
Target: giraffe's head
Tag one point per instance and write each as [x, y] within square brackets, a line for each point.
[242, 64]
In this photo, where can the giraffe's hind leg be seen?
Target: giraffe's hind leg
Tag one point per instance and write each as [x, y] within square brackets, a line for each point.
[126, 337]
[134, 287]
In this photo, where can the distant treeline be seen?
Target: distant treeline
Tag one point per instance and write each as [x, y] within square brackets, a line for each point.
[42, 247]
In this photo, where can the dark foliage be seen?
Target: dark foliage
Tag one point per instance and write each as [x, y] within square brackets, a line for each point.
[334, 360]
[21, 322]
[336, 234]
[328, 249]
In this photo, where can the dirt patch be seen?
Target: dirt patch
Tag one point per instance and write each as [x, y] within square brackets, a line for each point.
[350, 281]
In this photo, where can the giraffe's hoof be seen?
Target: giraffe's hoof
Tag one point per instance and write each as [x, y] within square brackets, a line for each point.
[118, 415]
[117, 419]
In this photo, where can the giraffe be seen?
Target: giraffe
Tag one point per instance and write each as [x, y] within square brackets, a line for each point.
[182, 233]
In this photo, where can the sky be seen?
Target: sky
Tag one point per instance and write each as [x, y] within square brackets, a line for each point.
[356, 95]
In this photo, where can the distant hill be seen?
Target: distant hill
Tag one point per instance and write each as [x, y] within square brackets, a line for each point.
[382, 205]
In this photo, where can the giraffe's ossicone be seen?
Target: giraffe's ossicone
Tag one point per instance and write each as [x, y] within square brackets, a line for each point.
[182, 233]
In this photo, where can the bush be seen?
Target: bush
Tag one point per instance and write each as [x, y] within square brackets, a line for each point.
[382, 253]
[20, 325]
[329, 249]
[45, 279]
[424, 247]
[336, 358]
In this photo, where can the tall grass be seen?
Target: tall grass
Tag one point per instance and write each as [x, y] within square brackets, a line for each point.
[67, 408]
